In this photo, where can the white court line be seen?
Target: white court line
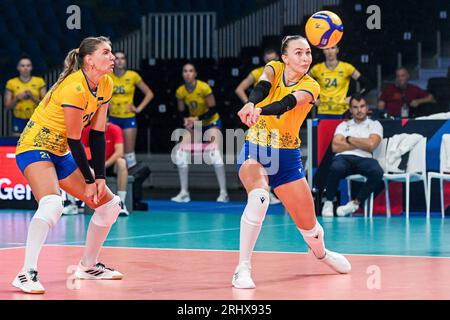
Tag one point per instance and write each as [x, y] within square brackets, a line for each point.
[256, 251]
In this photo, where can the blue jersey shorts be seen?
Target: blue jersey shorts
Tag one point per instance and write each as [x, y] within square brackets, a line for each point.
[65, 165]
[124, 123]
[282, 165]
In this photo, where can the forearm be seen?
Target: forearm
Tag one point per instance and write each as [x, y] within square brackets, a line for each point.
[111, 160]
[78, 153]
[341, 146]
[361, 143]
[241, 94]
[97, 143]
[145, 101]
[427, 99]
[280, 107]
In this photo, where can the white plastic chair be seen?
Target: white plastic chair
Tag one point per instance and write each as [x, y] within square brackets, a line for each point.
[442, 175]
[415, 171]
[380, 155]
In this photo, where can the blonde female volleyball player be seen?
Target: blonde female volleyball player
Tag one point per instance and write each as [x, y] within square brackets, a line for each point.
[51, 156]
[276, 108]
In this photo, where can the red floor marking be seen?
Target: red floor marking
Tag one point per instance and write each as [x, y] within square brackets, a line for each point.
[190, 274]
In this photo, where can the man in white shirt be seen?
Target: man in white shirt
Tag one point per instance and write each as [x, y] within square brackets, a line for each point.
[353, 142]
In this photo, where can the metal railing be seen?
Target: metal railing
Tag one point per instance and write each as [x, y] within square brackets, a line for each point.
[179, 35]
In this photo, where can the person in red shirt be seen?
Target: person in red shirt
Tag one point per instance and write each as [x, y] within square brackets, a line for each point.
[402, 94]
[115, 164]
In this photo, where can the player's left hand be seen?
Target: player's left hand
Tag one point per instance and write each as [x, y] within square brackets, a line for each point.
[101, 188]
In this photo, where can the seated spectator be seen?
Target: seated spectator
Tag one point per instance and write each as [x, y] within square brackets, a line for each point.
[115, 165]
[353, 142]
[402, 99]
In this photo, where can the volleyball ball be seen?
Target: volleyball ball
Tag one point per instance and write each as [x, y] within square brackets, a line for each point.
[324, 29]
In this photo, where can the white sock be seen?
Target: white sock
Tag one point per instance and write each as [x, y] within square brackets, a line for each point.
[131, 159]
[183, 173]
[220, 173]
[122, 195]
[314, 239]
[95, 238]
[96, 235]
[251, 222]
[37, 234]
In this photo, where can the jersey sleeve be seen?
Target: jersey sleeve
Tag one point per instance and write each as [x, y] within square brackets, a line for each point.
[10, 85]
[276, 66]
[179, 93]
[376, 128]
[206, 89]
[73, 96]
[349, 68]
[312, 88]
[41, 83]
[136, 77]
[340, 129]
[256, 74]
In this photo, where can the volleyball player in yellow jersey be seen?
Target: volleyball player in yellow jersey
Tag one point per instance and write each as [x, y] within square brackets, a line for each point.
[51, 156]
[196, 102]
[251, 80]
[23, 94]
[277, 107]
[122, 110]
[334, 77]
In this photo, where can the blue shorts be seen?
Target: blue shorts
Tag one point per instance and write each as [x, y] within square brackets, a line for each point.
[124, 123]
[19, 124]
[217, 124]
[282, 165]
[64, 165]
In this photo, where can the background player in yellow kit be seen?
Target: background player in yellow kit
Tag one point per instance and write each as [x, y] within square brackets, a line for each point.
[23, 94]
[122, 111]
[196, 102]
[51, 156]
[334, 78]
[277, 107]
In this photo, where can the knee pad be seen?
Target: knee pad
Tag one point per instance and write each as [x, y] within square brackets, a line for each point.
[215, 158]
[181, 158]
[257, 205]
[107, 213]
[50, 209]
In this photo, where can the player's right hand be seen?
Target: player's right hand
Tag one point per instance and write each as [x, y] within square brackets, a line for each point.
[246, 113]
[90, 192]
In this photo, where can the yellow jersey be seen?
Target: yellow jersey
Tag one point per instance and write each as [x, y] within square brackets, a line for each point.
[46, 130]
[283, 131]
[123, 94]
[195, 100]
[257, 73]
[25, 108]
[334, 86]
